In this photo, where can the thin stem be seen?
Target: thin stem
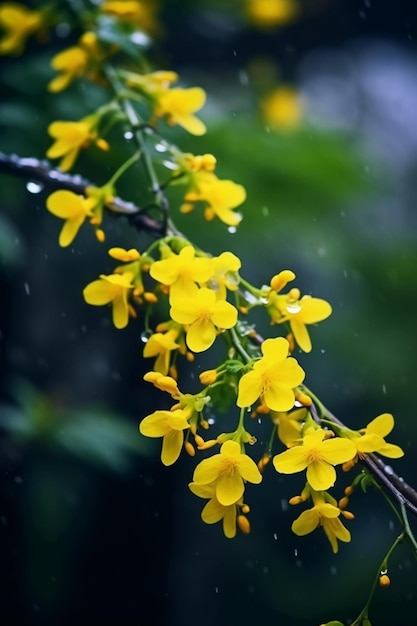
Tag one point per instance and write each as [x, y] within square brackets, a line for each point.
[122, 169]
[238, 345]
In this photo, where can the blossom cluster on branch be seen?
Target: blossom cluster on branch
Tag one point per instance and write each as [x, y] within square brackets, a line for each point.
[197, 298]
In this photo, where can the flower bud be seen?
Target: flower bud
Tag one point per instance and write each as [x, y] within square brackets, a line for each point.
[384, 580]
[243, 523]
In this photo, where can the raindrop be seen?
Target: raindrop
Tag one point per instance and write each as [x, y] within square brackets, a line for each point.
[128, 135]
[139, 38]
[161, 147]
[232, 230]
[145, 335]
[18, 480]
[284, 504]
[216, 589]
[264, 300]
[170, 165]
[384, 390]
[275, 536]
[322, 351]
[243, 77]
[383, 572]
[389, 470]
[27, 289]
[293, 307]
[391, 525]
[211, 421]
[232, 278]
[295, 552]
[259, 420]
[333, 570]
[34, 187]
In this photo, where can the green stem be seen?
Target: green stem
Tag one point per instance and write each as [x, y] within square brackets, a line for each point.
[237, 344]
[122, 169]
[383, 566]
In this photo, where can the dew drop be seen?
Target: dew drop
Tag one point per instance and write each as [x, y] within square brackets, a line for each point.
[34, 187]
[27, 289]
[145, 335]
[139, 38]
[389, 470]
[128, 135]
[295, 552]
[275, 536]
[161, 147]
[170, 165]
[293, 307]
[384, 390]
[232, 230]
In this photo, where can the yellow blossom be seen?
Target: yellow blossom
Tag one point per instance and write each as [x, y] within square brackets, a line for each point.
[204, 315]
[182, 271]
[71, 137]
[326, 515]
[282, 109]
[318, 455]
[289, 426]
[178, 106]
[71, 207]
[298, 312]
[220, 197]
[214, 511]
[18, 23]
[113, 289]
[151, 82]
[273, 377]
[170, 425]
[373, 440]
[80, 60]
[139, 13]
[227, 470]
[271, 13]
[161, 346]
[225, 274]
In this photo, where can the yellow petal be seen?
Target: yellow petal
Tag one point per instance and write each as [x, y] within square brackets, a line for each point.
[301, 334]
[207, 471]
[202, 491]
[275, 349]
[291, 461]
[391, 451]
[171, 446]
[320, 475]
[337, 450]
[200, 336]
[279, 398]
[120, 311]
[229, 488]
[212, 512]
[250, 387]
[224, 315]
[229, 522]
[248, 469]
[70, 230]
[313, 310]
[306, 522]
[98, 292]
[155, 425]
[381, 425]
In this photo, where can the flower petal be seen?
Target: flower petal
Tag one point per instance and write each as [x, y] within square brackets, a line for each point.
[207, 471]
[155, 425]
[306, 522]
[229, 488]
[248, 469]
[337, 450]
[171, 446]
[320, 475]
[200, 336]
[212, 512]
[381, 425]
[291, 461]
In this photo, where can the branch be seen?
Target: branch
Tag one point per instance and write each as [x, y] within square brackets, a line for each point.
[41, 172]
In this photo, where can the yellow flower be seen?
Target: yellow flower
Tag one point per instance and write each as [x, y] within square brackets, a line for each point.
[221, 196]
[113, 289]
[373, 438]
[282, 109]
[204, 314]
[227, 470]
[273, 377]
[170, 425]
[225, 274]
[182, 271]
[289, 427]
[71, 137]
[80, 60]
[298, 312]
[71, 207]
[271, 13]
[178, 106]
[214, 511]
[317, 456]
[139, 13]
[152, 82]
[161, 346]
[19, 23]
[325, 515]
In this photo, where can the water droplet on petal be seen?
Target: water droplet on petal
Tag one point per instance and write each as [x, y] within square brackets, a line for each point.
[293, 307]
[34, 187]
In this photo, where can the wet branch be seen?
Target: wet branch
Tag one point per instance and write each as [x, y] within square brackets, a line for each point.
[41, 172]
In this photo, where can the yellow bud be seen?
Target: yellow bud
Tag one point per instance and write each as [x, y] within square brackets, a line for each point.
[347, 514]
[190, 356]
[348, 490]
[173, 372]
[204, 424]
[295, 500]
[343, 502]
[102, 144]
[279, 281]
[245, 508]
[244, 310]
[303, 398]
[294, 294]
[328, 434]
[208, 377]
[243, 524]
[263, 462]
[189, 448]
[384, 580]
[290, 339]
[199, 440]
[132, 311]
[348, 465]
[208, 444]
[208, 162]
[150, 297]
[100, 235]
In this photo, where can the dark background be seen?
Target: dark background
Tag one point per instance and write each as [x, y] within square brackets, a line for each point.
[93, 529]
